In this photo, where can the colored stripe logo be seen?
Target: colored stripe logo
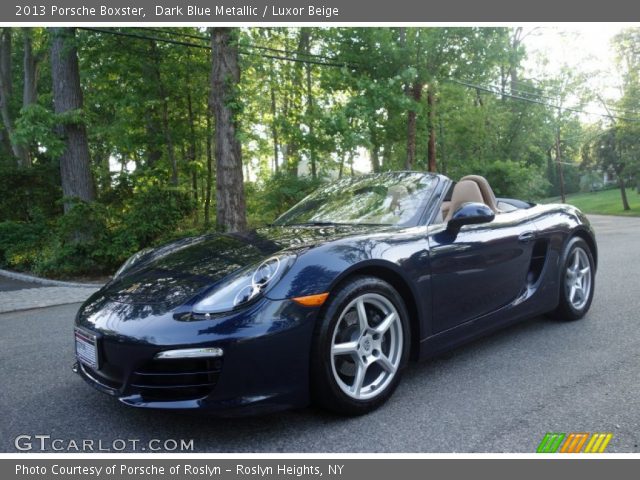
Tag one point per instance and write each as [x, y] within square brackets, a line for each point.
[574, 442]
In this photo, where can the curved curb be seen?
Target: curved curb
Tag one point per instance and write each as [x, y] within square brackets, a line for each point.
[45, 281]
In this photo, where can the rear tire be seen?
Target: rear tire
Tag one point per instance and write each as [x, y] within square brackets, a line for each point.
[577, 281]
[360, 347]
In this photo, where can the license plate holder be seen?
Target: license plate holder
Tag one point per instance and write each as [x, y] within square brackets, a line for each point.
[87, 351]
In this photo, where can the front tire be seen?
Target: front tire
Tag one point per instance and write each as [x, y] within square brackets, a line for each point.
[361, 347]
[577, 281]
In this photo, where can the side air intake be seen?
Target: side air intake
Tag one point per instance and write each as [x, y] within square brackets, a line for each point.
[538, 258]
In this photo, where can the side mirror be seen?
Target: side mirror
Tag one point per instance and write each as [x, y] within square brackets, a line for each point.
[469, 214]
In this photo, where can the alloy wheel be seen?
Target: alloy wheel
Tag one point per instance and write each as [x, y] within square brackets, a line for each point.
[578, 279]
[366, 346]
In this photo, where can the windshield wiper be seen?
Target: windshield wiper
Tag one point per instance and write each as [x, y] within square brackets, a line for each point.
[334, 224]
[314, 224]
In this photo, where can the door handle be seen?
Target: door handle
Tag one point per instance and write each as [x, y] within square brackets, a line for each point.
[526, 237]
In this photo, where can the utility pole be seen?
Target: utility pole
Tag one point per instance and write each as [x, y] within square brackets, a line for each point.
[431, 127]
[559, 161]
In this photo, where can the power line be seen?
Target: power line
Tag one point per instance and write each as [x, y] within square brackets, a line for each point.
[530, 92]
[534, 91]
[518, 91]
[180, 34]
[559, 94]
[524, 87]
[515, 91]
[539, 102]
[490, 89]
[257, 47]
[144, 37]
[288, 52]
[208, 47]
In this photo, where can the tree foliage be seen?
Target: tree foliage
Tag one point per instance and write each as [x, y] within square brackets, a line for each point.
[303, 105]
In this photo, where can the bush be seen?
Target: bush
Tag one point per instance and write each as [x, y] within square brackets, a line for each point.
[29, 192]
[21, 243]
[78, 243]
[154, 212]
[93, 239]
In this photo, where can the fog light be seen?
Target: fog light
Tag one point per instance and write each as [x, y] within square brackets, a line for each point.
[189, 353]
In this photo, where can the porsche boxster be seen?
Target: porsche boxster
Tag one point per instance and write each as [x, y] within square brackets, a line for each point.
[330, 302]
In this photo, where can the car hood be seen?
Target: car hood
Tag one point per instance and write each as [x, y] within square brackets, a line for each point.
[175, 272]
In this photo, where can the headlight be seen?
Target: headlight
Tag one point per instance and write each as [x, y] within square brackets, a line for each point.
[245, 285]
[133, 259]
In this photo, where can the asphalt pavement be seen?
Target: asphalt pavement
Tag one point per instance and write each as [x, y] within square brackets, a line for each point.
[9, 284]
[498, 394]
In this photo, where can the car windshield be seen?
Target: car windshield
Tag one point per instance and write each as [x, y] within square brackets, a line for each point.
[382, 199]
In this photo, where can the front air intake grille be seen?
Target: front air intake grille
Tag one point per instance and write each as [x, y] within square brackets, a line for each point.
[176, 379]
[108, 375]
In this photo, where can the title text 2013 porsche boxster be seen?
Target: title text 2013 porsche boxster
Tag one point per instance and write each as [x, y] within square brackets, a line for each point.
[331, 301]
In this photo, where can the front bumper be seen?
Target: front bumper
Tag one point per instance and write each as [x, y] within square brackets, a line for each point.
[264, 367]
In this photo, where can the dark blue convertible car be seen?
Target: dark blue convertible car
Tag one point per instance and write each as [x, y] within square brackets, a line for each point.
[330, 302]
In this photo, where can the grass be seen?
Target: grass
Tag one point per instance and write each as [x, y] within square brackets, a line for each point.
[605, 202]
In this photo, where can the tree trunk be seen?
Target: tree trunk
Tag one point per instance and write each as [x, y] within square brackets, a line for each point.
[503, 83]
[375, 157]
[516, 40]
[207, 198]
[416, 94]
[169, 141]
[6, 86]
[559, 166]
[30, 86]
[102, 172]
[151, 127]
[311, 139]
[274, 125]
[154, 137]
[290, 148]
[75, 171]
[387, 152]
[6, 91]
[168, 138]
[411, 117]
[192, 153]
[623, 192]
[31, 73]
[431, 126]
[6, 41]
[375, 147]
[5, 144]
[443, 156]
[225, 76]
[310, 136]
[293, 104]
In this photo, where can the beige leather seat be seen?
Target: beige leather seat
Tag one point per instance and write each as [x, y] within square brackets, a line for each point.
[488, 197]
[444, 209]
[465, 191]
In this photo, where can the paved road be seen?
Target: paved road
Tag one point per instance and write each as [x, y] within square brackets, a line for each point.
[23, 295]
[9, 284]
[498, 394]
